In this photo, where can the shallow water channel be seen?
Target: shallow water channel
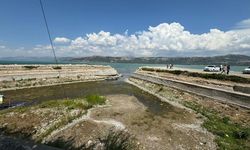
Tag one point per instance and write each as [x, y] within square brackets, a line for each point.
[75, 90]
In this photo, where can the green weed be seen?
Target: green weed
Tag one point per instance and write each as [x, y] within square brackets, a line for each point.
[229, 135]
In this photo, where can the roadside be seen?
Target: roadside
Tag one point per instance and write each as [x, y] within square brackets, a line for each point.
[233, 83]
[237, 73]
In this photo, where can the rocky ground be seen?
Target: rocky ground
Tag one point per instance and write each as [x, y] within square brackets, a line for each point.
[176, 128]
[19, 76]
[225, 121]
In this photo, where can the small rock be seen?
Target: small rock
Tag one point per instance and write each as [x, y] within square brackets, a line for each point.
[89, 143]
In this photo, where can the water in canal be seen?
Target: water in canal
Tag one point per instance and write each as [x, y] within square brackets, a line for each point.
[76, 90]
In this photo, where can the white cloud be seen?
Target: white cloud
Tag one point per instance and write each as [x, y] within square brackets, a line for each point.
[61, 40]
[162, 40]
[244, 24]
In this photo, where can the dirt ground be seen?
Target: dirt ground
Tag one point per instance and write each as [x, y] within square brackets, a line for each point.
[175, 129]
[33, 122]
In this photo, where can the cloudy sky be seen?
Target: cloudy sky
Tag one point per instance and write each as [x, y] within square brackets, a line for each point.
[125, 27]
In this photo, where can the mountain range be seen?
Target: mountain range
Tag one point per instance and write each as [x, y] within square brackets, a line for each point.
[215, 60]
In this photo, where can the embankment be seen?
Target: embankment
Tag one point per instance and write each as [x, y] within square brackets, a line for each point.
[23, 76]
[229, 123]
[214, 86]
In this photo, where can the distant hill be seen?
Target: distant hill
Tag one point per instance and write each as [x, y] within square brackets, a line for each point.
[216, 60]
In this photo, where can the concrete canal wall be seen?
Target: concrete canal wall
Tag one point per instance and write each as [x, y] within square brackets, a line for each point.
[238, 98]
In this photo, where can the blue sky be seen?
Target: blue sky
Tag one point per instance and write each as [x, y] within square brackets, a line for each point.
[22, 26]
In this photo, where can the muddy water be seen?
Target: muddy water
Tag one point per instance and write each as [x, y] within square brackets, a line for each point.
[76, 90]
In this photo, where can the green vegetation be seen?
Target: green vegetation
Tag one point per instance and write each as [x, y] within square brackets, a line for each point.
[65, 104]
[95, 99]
[78, 103]
[229, 135]
[216, 76]
[84, 103]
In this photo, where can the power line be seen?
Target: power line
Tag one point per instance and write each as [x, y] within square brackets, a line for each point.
[51, 43]
[47, 27]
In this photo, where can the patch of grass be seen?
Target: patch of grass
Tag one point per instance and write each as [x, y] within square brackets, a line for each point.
[216, 76]
[67, 103]
[229, 135]
[79, 103]
[84, 103]
[95, 100]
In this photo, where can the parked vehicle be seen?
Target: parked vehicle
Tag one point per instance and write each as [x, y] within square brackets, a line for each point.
[212, 68]
[246, 70]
